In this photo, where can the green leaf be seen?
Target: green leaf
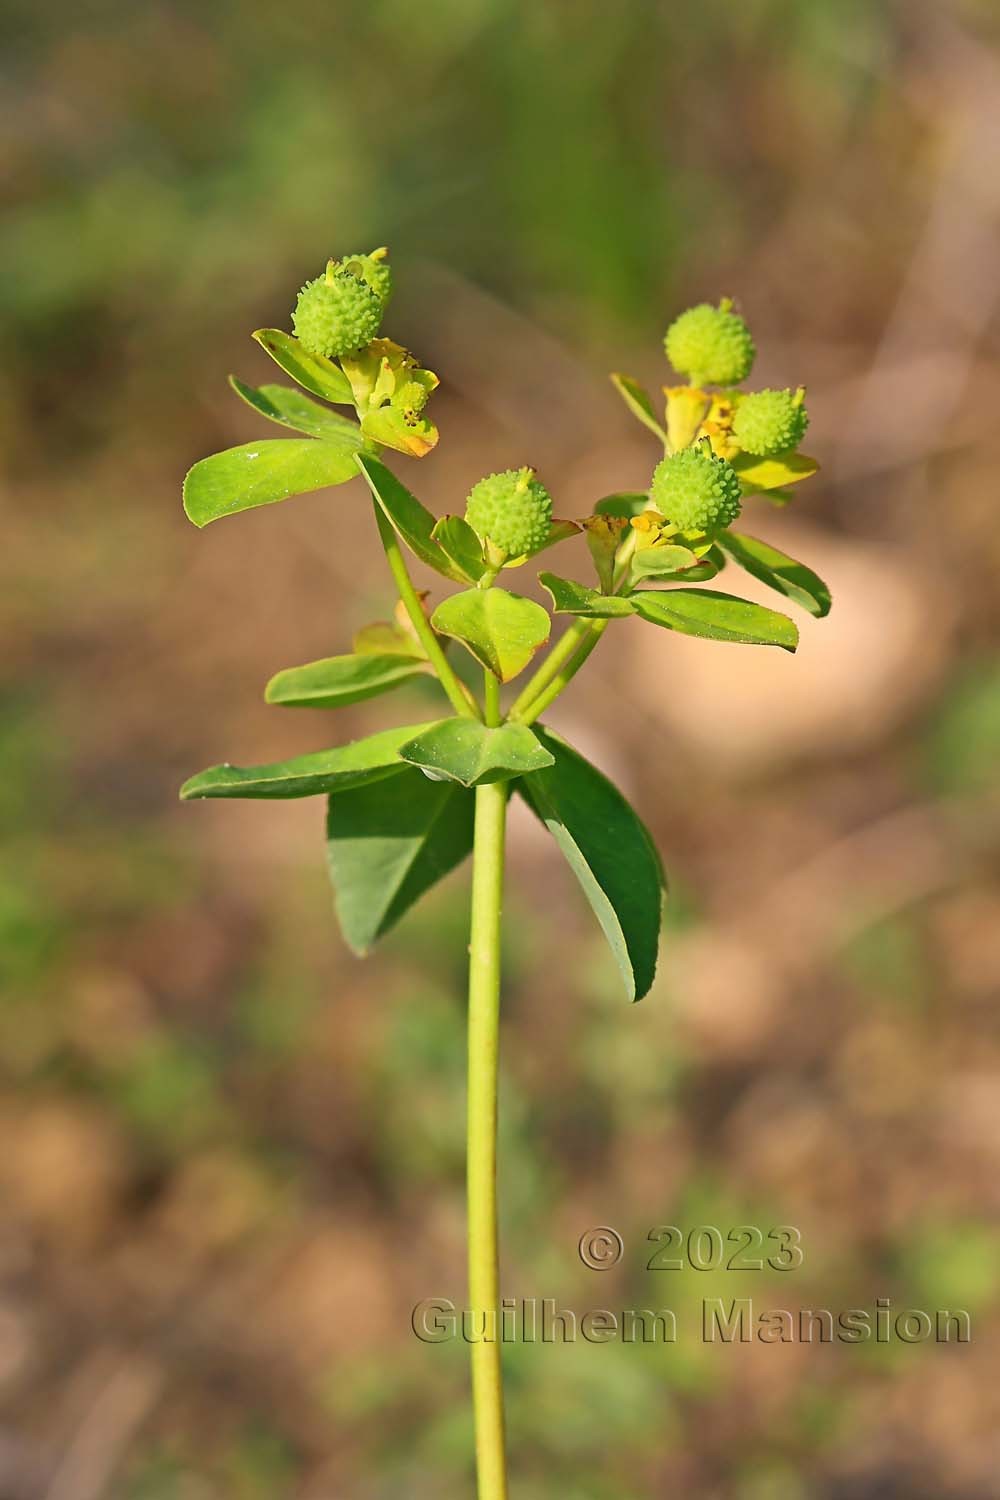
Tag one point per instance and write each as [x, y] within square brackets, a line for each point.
[387, 638]
[286, 405]
[609, 851]
[503, 631]
[569, 598]
[263, 473]
[461, 546]
[771, 473]
[361, 761]
[466, 751]
[341, 679]
[716, 617]
[778, 571]
[387, 425]
[628, 503]
[708, 565]
[639, 403]
[559, 531]
[387, 844]
[662, 562]
[312, 371]
[674, 562]
[604, 536]
[411, 521]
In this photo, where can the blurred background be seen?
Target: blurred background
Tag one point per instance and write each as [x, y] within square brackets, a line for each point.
[232, 1154]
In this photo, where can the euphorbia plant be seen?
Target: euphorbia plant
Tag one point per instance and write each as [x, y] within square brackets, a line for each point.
[406, 805]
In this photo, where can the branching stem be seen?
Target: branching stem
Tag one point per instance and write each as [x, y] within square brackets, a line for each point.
[585, 641]
[560, 653]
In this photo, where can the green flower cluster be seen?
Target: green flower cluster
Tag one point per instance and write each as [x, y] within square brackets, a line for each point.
[713, 346]
[710, 345]
[340, 312]
[769, 422]
[696, 490]
[513, 509]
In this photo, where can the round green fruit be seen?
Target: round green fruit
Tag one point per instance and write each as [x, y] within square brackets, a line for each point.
[768, 422]
[513, 509]
[336, 314]
[696, 491]
[710, 345]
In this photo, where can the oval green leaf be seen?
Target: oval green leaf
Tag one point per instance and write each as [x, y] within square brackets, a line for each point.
[778, 571]
[716, 617]
[662, 562]
[287, 406]
[412, 522]
[361, 761]
[312, 371]
[503, 631]
[387, 844]
[570, 598]
[772, 473]
[337, 680]
[461, 546]
[466, 751]
[610, 852]
[264, 473]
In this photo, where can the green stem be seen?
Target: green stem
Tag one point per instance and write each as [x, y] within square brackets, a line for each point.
[561, 652]
[458, 697]
[491, 698]
[484, 1019]
[538, 705]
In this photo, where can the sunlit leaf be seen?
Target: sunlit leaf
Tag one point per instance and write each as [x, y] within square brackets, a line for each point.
[502, 630]
[639, 403]
[570, 598]
[772, 473]
[412, 522]
[604, 536]
[559, 531]
[716, 617]
[466, 751]
[461, 546]
[264, 473]
[387, 425]
[609, 851]
[370, 759]
[778, 571]
[387, 638]
[687, 409]
[661, 562]
[312, 371]
[337, 680]
[387, 844]
[287, 406]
